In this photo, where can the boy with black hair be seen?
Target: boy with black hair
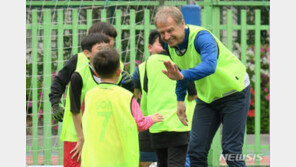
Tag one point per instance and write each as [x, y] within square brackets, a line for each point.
[111, 118]
[147, 154]
[63, 77]
[81, 81]
[144, 81]
[105, 28]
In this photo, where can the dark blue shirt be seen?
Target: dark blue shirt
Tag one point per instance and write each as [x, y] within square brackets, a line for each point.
[136, 79]
[206, 46]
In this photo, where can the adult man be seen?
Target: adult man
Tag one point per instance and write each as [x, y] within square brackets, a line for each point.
[222, 84]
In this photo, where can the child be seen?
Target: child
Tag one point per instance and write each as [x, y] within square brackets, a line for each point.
[63, 77]
[111, 118]
[170, 137]
[147, 154]
[81, 81]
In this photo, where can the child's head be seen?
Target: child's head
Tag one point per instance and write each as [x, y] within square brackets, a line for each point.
[105, 28]
[156, 44]
[106, 63]
[92, 43]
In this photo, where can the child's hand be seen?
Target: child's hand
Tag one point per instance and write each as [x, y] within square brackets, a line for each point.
[157, 118]
[58, 112]
[78, 149]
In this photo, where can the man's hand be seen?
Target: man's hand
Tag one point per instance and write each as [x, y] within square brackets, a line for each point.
[78, 149]
[58, 112]
[181, 112]
[172, 71]
[157, 118]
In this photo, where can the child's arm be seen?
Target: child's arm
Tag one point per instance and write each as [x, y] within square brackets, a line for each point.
[61, 80]
[143, 123]
[78, 148]
[75, 105]
[58, 87]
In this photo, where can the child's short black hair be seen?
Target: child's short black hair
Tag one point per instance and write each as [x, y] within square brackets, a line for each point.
[103, 27]
[154, 34]
[90, 40]
[106, 62]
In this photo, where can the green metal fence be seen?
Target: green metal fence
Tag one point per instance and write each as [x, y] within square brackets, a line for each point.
[47, 26]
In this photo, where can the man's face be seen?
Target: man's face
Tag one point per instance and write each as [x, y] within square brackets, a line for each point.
[170, 32]
[97, 47]
[155, 47]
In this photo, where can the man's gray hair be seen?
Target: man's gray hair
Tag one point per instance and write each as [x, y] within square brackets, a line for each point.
[168, 11]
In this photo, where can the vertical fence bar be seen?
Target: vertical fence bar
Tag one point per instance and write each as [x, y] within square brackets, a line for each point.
[257, 84]
[243, 36]
[103, 15]
[244, 59]
[132, 40]
[88, 19]
[119, 31]
[74, 31]
[229, 30]
[35, 87]
[207, 17]
[216, 152]
[146, 32]
[60, 38]
[60, 66]
[203, 18]
[46, 86]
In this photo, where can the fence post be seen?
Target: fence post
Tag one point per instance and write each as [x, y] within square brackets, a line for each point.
[229, 30]
[46, 86]
[74, 31]
[35, 86]
[88, 19]
[60, 66]
[207, 19]
[244, 59]
[146, 33]
[132, 40]
[119, 31]
[257, 84]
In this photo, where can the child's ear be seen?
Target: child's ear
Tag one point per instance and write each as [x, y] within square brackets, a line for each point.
[150, 48]
[87, 53]
[93, 69]
[118, 72]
